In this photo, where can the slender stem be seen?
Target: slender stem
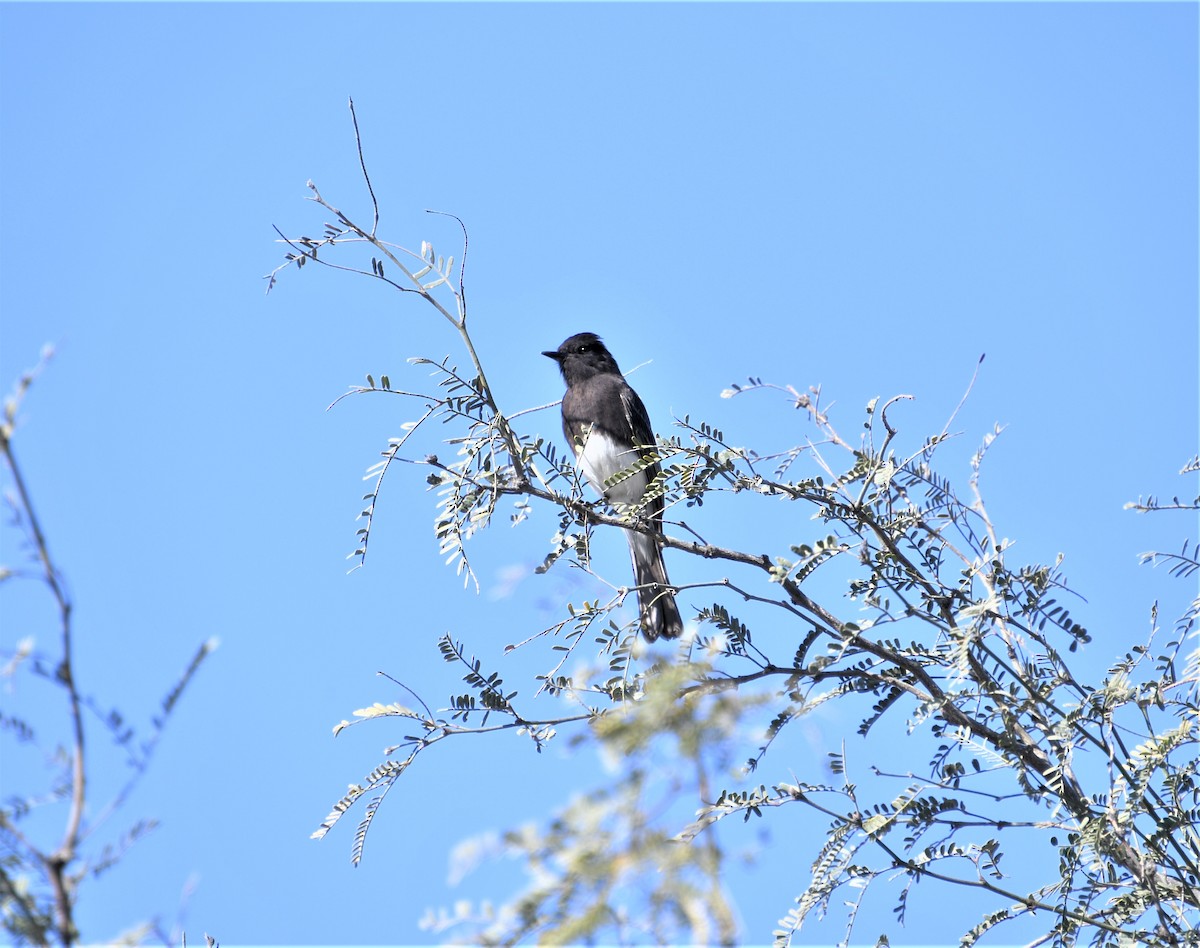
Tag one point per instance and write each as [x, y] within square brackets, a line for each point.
[56, 863]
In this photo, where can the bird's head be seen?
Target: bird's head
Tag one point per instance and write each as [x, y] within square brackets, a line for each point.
[583, 355]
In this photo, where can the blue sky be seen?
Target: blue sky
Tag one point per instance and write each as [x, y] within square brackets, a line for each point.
[863, 196]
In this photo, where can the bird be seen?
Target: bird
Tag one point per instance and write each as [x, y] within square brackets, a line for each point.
[608, 428]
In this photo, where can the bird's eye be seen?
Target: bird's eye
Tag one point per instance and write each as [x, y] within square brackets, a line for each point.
[583, 349]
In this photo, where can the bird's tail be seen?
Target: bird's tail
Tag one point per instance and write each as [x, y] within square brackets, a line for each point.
[660, 614]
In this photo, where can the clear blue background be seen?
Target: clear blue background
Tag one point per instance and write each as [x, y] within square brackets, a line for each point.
[867, 197]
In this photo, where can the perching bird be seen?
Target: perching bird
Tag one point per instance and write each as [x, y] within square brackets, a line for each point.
[608, 428]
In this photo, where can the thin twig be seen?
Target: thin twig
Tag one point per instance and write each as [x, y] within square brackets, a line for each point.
[362, 163]
[56, 863]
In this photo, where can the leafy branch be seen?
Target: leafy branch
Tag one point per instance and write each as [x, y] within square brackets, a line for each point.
[39, 913]
[901, 603]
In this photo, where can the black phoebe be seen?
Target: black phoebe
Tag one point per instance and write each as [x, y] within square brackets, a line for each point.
[608, 428]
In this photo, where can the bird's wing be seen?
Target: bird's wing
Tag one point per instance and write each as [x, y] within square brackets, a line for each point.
[636, 416]
[638, 420]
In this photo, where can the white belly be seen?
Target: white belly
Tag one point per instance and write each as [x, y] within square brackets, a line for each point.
[600, 459]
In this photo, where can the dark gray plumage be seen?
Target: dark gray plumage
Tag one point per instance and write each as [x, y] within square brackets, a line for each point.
[606, 424]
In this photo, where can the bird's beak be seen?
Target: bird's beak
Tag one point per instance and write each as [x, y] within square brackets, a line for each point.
[556, 356]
